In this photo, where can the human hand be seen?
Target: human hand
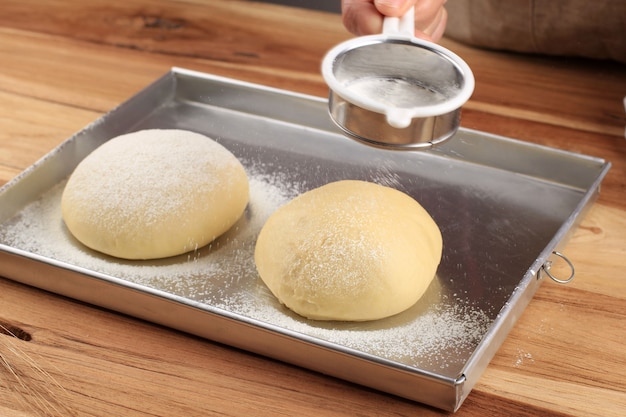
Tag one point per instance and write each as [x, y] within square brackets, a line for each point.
[365, 17]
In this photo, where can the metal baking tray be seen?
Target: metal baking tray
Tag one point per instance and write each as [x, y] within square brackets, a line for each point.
[503, 207]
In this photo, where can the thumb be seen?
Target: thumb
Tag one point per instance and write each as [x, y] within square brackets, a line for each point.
[393, 8]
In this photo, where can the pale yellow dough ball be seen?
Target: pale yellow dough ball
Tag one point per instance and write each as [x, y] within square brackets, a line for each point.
[154, 193]
[349, 251]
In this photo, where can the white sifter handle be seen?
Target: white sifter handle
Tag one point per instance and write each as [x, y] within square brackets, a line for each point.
[404, 25]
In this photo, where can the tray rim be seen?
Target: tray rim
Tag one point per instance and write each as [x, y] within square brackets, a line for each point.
[458, 387]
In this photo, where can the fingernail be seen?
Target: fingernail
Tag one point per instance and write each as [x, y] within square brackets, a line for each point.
[392, 4]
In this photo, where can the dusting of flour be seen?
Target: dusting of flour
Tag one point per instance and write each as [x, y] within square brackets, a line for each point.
[435, 334]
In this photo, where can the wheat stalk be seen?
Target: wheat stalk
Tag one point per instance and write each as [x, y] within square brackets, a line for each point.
[32, 388]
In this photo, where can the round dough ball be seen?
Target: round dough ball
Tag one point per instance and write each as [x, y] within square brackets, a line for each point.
[349, 251]
[154, 194]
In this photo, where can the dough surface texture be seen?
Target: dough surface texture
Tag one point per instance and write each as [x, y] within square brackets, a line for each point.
[349, 251]
[154, 193]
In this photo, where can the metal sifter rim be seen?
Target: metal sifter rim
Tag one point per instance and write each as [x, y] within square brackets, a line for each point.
[451, 104]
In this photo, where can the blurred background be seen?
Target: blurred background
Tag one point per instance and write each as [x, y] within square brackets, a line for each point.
[325, 5]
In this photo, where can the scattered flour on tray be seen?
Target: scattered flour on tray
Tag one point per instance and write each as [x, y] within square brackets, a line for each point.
[223, 275]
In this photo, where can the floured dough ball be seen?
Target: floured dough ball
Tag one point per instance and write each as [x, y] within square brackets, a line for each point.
[350, 251]
[154, 193]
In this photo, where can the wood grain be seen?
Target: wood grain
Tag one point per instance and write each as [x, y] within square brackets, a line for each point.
[66, 62]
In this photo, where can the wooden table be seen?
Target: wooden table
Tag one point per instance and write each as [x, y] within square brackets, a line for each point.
[65, 63]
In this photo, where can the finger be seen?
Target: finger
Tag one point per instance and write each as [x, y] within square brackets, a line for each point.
[437, 26]
[439, 30]
[428, 14]
[361, 17]
[393, 8]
